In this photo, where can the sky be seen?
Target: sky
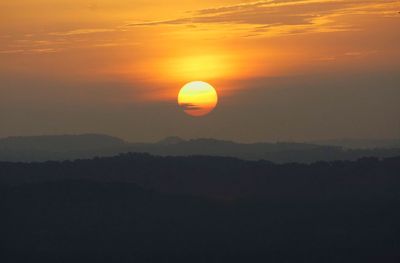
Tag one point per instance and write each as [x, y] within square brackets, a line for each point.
[284, 70]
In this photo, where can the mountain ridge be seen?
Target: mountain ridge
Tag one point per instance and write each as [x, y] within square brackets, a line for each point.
[71, 147]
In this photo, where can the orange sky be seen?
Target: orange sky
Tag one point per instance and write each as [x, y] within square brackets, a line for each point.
[149, 48]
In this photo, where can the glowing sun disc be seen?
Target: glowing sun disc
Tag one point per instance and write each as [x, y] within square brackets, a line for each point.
[197, 98]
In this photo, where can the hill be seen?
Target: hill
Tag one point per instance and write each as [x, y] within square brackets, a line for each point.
[222, 177]
[70, 147]
[142, 208]
[361, 143]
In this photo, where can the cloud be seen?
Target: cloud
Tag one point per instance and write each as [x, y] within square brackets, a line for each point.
[56, 41]
[190, 106]
[300, 15]
[162, 22]
[29, 51]
[12, 51]
[31, 45]
[82, 31]
[266, 18]
[231, 8]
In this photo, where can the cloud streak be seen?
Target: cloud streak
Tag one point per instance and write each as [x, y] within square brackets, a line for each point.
[190, 107]
[29, 51]
[301, 15]
[266, 18]
[82, 31]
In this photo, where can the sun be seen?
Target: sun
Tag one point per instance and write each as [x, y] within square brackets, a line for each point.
[197, 98]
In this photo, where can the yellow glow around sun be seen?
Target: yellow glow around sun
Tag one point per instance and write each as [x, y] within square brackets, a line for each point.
[206, 67]
[197, 98]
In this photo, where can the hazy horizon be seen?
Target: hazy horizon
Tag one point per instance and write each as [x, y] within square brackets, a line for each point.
[200, 138]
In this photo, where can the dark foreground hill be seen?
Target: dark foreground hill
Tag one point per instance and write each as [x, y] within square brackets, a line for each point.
[141, 208]
[219, 176]
[70, 147]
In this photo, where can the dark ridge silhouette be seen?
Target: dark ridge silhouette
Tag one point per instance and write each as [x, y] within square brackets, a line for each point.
[361, 143]
[171, 140]
[142, 208]
[66, 147]
[61, 143]
[219, 176]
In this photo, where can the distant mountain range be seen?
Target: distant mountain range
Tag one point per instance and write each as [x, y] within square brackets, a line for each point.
[70, 147]
[361, 143]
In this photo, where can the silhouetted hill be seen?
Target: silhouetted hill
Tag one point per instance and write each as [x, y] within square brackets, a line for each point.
[54, 143]
[45, 148]
[361, 143]
[171, 140]
[216, 176]
[142, 208]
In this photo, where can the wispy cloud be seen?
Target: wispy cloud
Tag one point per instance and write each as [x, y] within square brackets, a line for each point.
[82, 31]
[29, 51]
[265, 18]
[12, 51]
[190, 106]
[282, 16]
[58, 41]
